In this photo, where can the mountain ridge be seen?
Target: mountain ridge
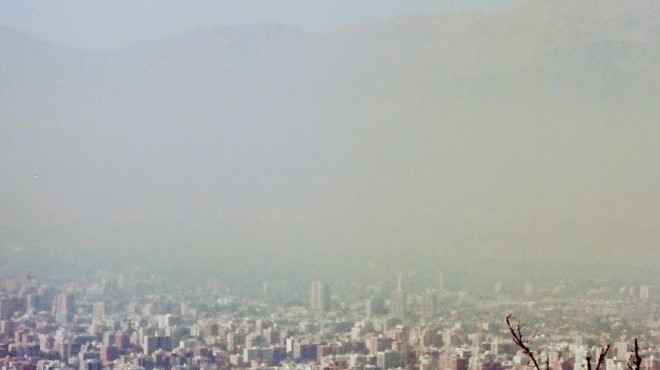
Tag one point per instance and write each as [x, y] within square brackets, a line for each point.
[493, 133]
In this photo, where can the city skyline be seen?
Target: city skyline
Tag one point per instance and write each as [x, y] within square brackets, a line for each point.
[330, 185]
[128, 321]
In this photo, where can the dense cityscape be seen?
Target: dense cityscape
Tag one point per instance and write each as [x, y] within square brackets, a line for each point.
[129, 321]
[330, 185]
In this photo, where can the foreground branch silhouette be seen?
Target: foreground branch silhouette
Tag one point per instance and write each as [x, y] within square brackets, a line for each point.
[518, 339]
[601, 357]
[637, 361]
[517, 336]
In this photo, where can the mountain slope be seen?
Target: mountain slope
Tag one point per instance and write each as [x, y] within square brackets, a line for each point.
[528, 132]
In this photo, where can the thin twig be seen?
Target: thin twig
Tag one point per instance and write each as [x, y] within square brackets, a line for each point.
[601, 357]
[638, 359]
[517, 335]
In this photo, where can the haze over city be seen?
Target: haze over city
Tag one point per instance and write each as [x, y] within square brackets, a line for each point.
[299, 135]
[330, 185]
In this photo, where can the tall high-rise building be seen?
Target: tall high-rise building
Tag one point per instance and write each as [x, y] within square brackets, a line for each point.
[305, 351]
[186, 309]
[377, 344]
[6, 308]
[155, 342]
[375, 306]
[398, 305]
[398, 300]
[450, 360]
[428, 304]
[92, 364]
[320, 296]
[63, 308]
[388, 359]
[644, 292]
[109, 353]
[98, 311]
[65, 350]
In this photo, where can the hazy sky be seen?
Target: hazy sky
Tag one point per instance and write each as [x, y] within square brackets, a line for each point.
[530, 131]
[97, 25]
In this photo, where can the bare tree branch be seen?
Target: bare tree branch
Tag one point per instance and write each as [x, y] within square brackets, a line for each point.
[517, 335]
[601, 357]
[637, 361]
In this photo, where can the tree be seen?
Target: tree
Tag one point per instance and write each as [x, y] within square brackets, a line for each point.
[637, 361]
[518, 339]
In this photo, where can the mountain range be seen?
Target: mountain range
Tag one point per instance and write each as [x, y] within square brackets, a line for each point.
[524, 134]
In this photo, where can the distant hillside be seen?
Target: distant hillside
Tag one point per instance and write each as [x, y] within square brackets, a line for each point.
[530, 132]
